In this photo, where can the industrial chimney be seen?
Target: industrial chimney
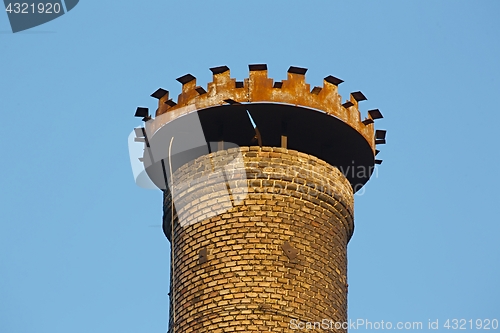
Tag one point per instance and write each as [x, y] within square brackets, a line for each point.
[258, 180]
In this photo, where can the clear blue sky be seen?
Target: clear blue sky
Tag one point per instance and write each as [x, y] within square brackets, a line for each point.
[81, 248]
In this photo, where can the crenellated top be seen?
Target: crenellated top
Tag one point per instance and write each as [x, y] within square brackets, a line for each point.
[259, 88]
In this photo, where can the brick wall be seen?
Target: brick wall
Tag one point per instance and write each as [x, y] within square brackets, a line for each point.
[260, 239]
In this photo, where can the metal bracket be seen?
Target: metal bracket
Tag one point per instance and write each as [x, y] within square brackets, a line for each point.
[290, 251]
[203, 256]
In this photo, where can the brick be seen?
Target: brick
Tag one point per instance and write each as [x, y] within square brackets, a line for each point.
[294, 197]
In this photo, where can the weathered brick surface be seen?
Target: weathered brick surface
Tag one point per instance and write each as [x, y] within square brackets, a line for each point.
[243, 217]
